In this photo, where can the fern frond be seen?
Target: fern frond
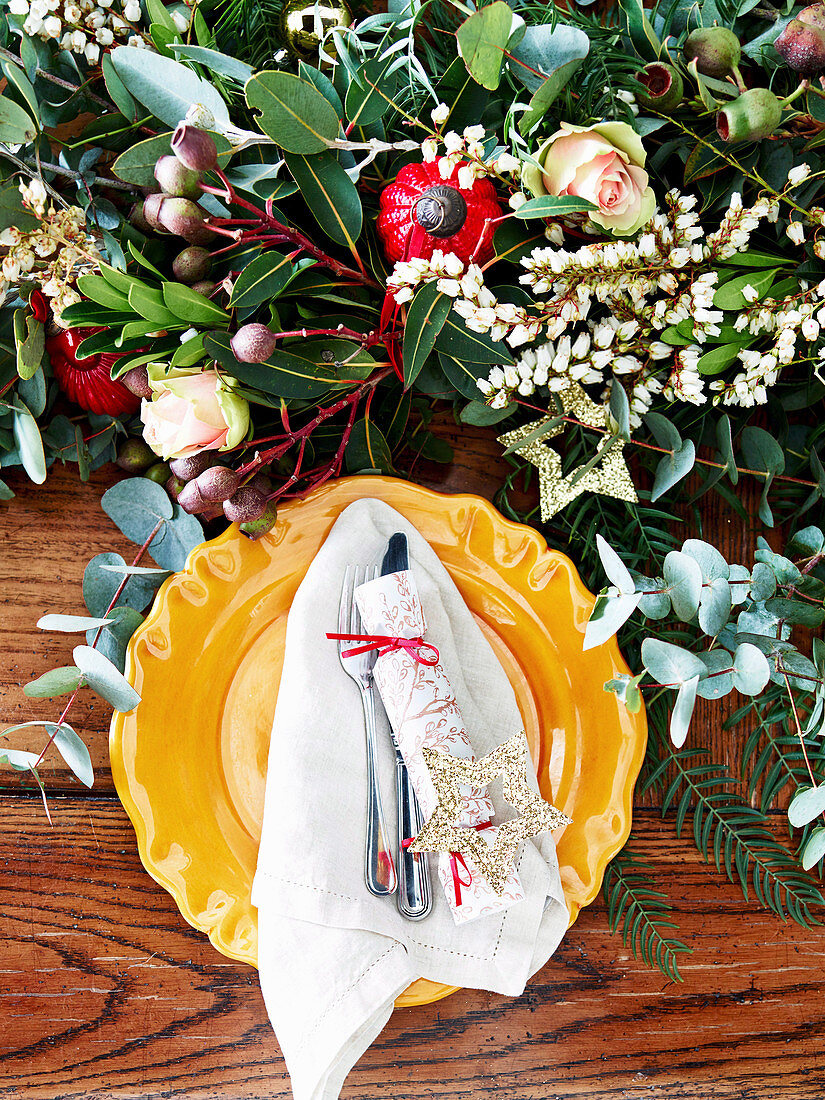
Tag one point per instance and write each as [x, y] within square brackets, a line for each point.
[643, 912]
[737, 837]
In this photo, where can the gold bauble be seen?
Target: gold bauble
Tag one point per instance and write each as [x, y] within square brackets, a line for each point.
[305, 22]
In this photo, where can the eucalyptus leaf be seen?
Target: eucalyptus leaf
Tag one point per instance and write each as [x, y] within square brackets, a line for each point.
[684, 581]
[609, 614]
[719, 679]
[751, 670]
[654, 602]
[69, 624]
[614, 567]
[670, 664]
[683, 711]
[136, 505]
[806, 805]
[74, 752]
[166, 87]
[714, 606]
[102, 676]
[57, 681]
[482, 40]
[29, 442]
[293, 112]
[814, 849]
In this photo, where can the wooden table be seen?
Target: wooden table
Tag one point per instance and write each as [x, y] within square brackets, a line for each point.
[105, 991]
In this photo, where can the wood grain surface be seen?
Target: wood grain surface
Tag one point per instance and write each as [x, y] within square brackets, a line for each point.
[105, 991]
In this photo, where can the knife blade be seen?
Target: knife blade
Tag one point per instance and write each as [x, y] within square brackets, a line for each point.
[414, 897]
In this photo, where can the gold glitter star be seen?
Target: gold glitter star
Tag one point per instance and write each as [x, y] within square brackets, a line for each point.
[611, 477]
[449, 774]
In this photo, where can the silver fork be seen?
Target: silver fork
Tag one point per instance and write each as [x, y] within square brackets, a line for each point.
[379, 868]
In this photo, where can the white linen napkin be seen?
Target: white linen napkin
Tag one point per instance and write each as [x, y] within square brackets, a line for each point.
[332, 958]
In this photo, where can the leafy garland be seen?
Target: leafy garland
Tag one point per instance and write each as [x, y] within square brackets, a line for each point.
[203, 191]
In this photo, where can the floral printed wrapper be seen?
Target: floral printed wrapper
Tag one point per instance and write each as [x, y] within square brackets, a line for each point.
[423, 711]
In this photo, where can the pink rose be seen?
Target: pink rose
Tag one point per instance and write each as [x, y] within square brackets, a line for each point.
[191, 411]
[603, 164]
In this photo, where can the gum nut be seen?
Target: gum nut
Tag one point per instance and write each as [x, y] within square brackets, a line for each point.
[247, 504]
[664, 85]
[200, 235]
[192, 264]
[135, 456]
[194, 148]
[159, 472]
[180, 216]
[193, 466]
[802, 47]
[190, 499]
[151, 211]
[176, 179]
[751, 117]
[814, 16]
[218, 483]
[173, 485]
[716, 50]
[262, 483]
[136, 381]
[204, 287]
[138, 219]
[253, 343]
[256, 528]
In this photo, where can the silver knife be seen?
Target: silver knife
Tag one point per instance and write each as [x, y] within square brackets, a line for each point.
[414, 896]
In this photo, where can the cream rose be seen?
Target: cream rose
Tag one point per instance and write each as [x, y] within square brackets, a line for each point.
[603, 164]
[191, 411]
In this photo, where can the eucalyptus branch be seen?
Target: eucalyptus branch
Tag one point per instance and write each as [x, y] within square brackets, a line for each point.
[32, 173]
[59, 81]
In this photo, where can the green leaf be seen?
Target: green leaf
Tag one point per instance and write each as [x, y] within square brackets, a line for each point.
[724, 441]
[176, 540]
[796, 612]
[292, 112]
[117, 89]
[806, 805]
[149, 303]
[730, 296]
[751, 670]
[477, 347]
[684, 581]
[102, 292]
[719, 680]
[302, 374]
[710, 560]
[28, 441]
[166, 87]
[137, 163]
[192, 307]
[655, 601]
[330, 195]
[552, 206]
[480, 415]
[12, 211]
[16, 125]
[546, 51]
[717, 359]
[102, 676]
[57, 681]
[639, 29]
[135, 506]
[371, 93]
[814, 849]
[19, 759]
[30, 338]
[715, 606]
[261, 280]
[215, 61]
[69, 624]
[367, 449]
[18, 79]
[73, 751]
[482, 40]
[425, 318]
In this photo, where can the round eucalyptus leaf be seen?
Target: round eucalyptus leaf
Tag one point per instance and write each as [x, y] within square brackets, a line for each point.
[740, 580]
[763, 582]
[608, 615]
[135, 506]
[683, 711]
[655, 600]
[684, 581]
[751, 669]
[715, 606]
[806, 805]
[814, 849]
[719, 680]
[711, 562]
[670, 664]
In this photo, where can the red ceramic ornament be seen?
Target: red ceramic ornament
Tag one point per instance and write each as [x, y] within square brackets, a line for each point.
[87, 382]
[421, 212]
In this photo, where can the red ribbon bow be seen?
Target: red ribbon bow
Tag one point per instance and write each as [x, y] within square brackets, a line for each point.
[455, 859]
[386, 643]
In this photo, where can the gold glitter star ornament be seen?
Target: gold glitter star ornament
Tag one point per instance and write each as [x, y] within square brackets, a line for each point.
[449, 774]
[610, 477]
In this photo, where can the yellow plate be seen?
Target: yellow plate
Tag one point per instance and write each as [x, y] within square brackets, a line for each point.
[189, 762]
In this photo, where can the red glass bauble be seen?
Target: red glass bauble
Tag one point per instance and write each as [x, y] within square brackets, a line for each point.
[88, 382]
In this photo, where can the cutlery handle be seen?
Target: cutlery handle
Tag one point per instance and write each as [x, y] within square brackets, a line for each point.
[414, 896]
[379, 868]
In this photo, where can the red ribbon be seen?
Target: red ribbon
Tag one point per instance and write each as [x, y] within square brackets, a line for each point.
[386, 643]
[455, 859]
